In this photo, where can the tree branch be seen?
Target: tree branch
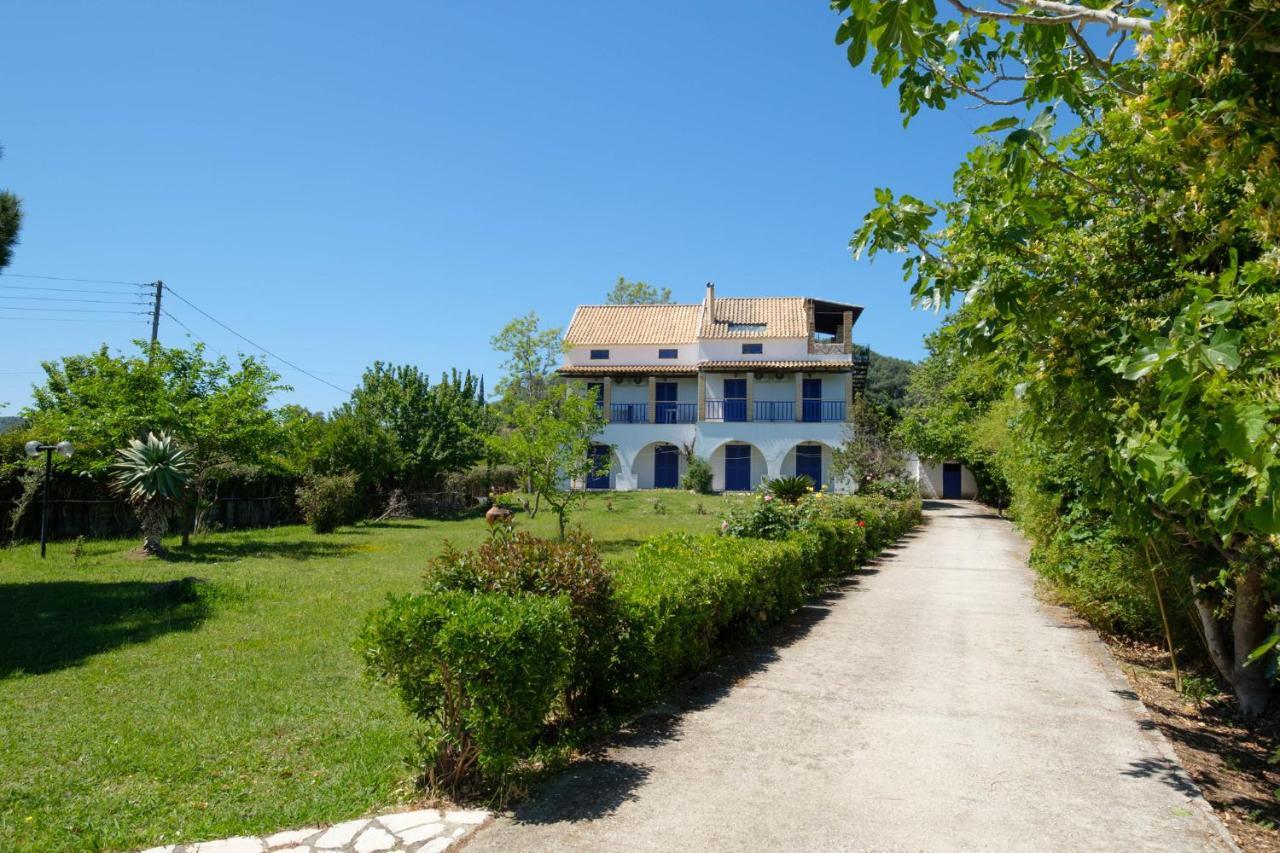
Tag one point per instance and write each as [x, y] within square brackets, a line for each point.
[1062, 13]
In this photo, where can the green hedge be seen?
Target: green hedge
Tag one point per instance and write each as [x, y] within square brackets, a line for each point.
[508, 643]
[482, 670]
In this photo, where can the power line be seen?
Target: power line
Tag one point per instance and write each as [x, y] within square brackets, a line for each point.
[79, 280]
[71, 299]
[256, 345]
[65, 320]
[68, 310]
[44, 288]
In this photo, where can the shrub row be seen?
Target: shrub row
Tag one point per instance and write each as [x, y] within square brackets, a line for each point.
[522, 632]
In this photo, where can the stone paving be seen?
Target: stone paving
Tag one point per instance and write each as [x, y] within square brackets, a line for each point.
[422, 831]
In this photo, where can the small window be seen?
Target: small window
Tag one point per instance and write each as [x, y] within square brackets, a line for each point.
[597, 354]
[668, 353]
[753, 349]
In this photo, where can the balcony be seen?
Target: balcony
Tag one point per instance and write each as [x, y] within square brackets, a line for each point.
[776, 411]
[629, 413]
[733, 410]
[665, 412]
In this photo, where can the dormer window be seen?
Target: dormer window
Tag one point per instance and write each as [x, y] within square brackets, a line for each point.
[668, 353]
[753, 349]
[599, 354]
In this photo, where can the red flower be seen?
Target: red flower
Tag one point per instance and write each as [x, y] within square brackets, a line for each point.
[862, 524]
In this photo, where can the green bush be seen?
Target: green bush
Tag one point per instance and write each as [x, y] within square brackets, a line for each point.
[697, 476]
[482, 670]
[328, 501]
[513, 563]
[680, 595]
[790, 489]
[522, 621]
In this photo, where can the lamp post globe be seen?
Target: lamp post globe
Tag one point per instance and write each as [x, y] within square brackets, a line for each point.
[32, 448]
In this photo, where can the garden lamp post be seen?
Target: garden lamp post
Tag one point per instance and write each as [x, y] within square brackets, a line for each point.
[34, 448]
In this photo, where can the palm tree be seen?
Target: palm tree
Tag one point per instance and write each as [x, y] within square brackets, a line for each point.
[151, 476]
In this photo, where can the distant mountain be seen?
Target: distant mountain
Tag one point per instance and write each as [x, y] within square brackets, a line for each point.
[887, 380]
[11, 422]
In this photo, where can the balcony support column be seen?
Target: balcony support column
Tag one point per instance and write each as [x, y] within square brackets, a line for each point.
[701, 414]
[652, 412]
[799, 413]
[608, 398]
[751, 396]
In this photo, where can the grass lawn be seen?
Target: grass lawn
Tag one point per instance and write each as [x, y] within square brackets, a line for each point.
[126, 721]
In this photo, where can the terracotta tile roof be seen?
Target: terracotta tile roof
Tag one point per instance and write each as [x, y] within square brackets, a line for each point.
[570, 370]
[633, 324]
[780, 316]
[824, 365]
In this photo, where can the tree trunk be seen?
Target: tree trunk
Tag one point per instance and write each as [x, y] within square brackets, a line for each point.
[155, 520]
[1249, 629]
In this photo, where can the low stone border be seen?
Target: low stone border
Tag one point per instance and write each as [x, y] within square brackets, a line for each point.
[422, 831]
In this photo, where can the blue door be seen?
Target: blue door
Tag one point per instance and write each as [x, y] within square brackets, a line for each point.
[664, 397]
[951, 479]
[735, 399]
[666, 466]
[811, 391]
[595, 390]
[809, 463]
[737, 467]
[599, 454]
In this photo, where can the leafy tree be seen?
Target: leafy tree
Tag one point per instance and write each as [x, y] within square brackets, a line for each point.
[1121, 269]
[637, 293]
[437, 428]
[217, 412]
[352, 444]
[533, 354]
[549, 441]
[868, 454]
[954, 406]
[151, 475]
[10, 223]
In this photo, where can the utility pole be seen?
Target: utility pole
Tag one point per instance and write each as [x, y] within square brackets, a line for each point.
[155, 313]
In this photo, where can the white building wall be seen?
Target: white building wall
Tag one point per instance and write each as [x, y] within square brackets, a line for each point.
[928, 474]
[648, 354]
[730, 349]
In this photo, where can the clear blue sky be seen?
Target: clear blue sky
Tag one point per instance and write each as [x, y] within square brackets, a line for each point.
[349, 182]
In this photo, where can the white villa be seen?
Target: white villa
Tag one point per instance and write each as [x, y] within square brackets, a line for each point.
[759, 387]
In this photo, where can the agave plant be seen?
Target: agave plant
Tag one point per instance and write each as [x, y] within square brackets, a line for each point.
[790, 489]
[151, 475]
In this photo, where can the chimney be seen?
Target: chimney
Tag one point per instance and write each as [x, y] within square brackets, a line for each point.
[711, 302]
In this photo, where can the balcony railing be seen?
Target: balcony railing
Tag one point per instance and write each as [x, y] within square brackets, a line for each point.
[629, 413]
[726, 410]
[775, 410]
[665, 412]
[815, 411]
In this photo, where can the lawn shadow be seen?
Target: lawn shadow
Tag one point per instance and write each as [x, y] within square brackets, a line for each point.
[47, 626]
[224, 550]
[612, 546]
[611, 773]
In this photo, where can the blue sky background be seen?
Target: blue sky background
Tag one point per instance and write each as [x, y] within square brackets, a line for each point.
[351, 182]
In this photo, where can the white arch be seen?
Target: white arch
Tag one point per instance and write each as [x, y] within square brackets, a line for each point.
[759, 464]
[642, 462]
